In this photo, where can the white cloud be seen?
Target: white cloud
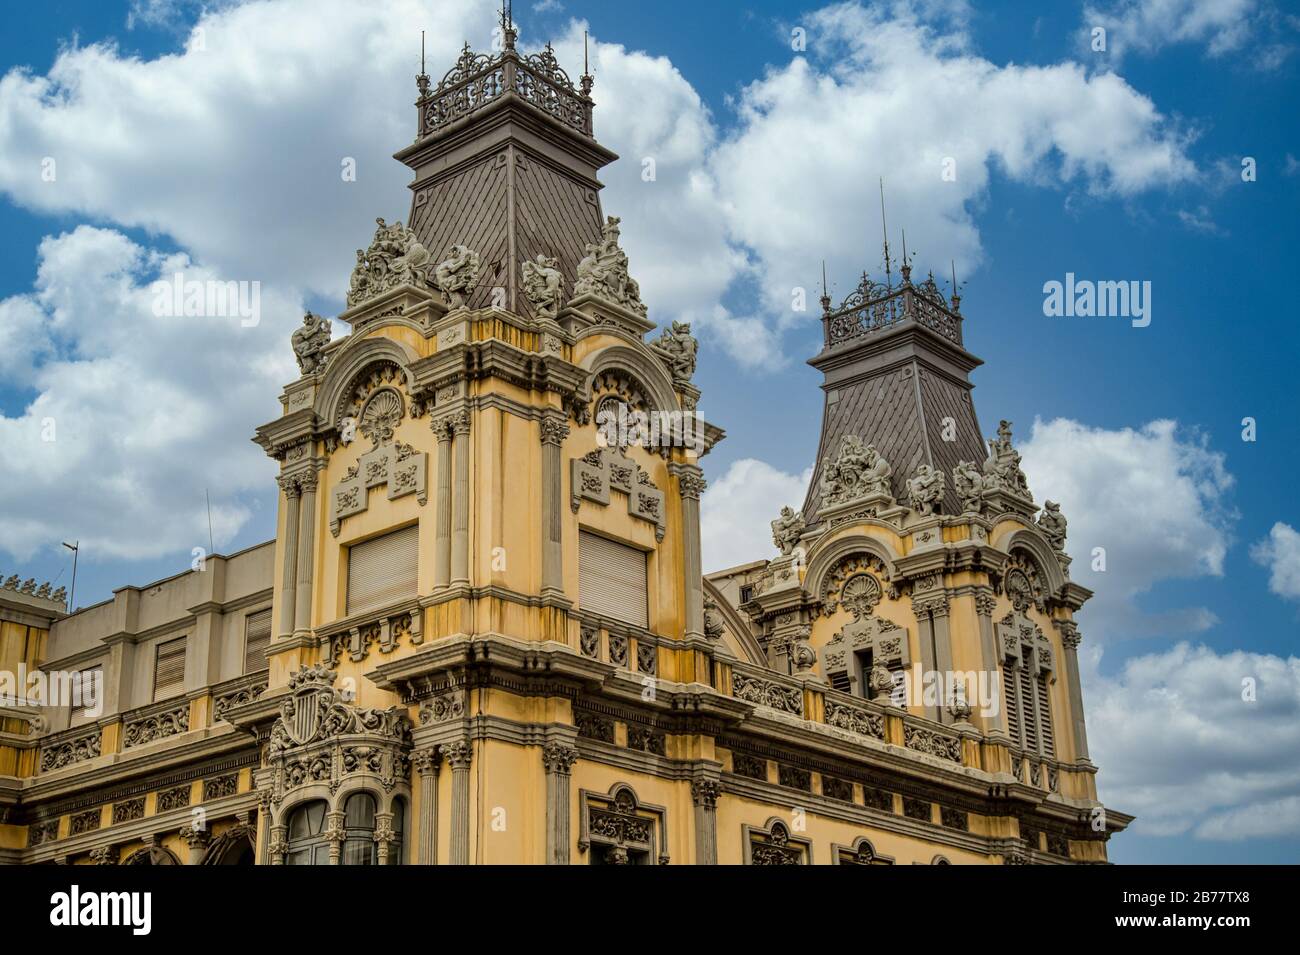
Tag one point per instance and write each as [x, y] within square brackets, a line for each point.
[738, 508]
[1153, 497]
[136, 414]
[1145, 26]
[886, 94]
[1280, 553]
[1179, 746]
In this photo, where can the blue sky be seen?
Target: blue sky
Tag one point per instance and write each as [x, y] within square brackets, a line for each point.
[1122, 165]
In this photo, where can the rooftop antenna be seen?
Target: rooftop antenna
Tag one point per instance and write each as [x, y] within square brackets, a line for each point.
[211, 548]
[889, 282]
[76, 552]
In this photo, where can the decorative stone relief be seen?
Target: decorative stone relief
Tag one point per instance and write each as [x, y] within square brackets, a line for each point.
[968, 482]
[309, 344]
[83, 822]
[395, 257]
[839, 789]
[954, 819]
[925, 490]
[786, 530]
[860, 599]
[155, 726]
[677, 347]
[592, 726]
[589, 640]
[457, 275]
[442, 708]
[752, 689]
[855, 719]
[751, 767]
[933, 743]
[128, 810]
[794, 778]
[594, 474]
[39, 833]
[616, 825]
[857, 473]
[618, 649]
[603, 271]
[775, 847]
[399, 466]
[544, 285]
[646, 740]
[66, 752]
[319, 737]
[713, 620]
[387, 632]
[177, 797]
[647, 657]
[239, 697]
[218, 787]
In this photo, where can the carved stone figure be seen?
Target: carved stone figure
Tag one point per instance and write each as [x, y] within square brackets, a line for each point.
[458, 274]
[603, 271]
[395, 257]
[544, 285]
[1053, 524]
[925, 490]
[786, 530]
[678, 346]
[802, 656]
[1002, 466]
[713, 624]
[881, 684]
[855, 473]
[968, 482]
[309, 343]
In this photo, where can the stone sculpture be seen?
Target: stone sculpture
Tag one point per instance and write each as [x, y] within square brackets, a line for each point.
[1002, 466]
[544, 285]
[395, 257]
[968, 482]
[603, 271]
[786, 530]
[855, 473]
[678, 347]
[458, 274]
[1053, 524]
[925, 490]
[309, 343]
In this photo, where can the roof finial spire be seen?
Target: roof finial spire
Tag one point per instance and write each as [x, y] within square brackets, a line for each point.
[907, 263]
[508, 32]
[422, 78]
[826, 296]
[586, 67]
[884, 229]
[955, 297]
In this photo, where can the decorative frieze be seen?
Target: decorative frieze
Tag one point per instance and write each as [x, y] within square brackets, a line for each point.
[839, 789]
[753, 767]
[39, 833]
[176, 798]
[589, 640]
[83, 822]
[618, 649]
[753, 689]
[646, 740]
[954, 819]
[647, 657]
[67, 751]
[855, 719]
[223, 703]
[442, 708]
[794, 778]
[219, 787]
[917, 809]
[155, 726]
[386, 632]
[128, 810]
[877, 799]
[595, 474]
[592, 726]
[932, 743]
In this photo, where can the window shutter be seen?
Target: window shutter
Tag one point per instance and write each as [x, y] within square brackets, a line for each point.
[1010, 702]
[257, 637]
[86, 681]
[169, 668]
[1028, 708]
[612, 579]
[1045, 717]
[383, 570]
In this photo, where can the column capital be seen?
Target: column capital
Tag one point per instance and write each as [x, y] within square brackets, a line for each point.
[460, 421]
[289, 485]
[459, 754]
[195, 838]
[705, 792]
[985, 602]
[553, 429]
[428, 762]
[308, 481]
[559, 757]
[1069, 631]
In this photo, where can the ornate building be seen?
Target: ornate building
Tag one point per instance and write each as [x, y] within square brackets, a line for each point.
[482, 633]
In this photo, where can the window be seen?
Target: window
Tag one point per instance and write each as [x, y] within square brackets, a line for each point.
[1029, 712]
[169, 668]
[612, 579]
[359, 846]
[257, 637]
[87, 688]
[746, 593]
[307, 842]
[382, 571]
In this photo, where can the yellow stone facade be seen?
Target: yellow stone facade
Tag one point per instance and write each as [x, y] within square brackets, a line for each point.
[486, 712]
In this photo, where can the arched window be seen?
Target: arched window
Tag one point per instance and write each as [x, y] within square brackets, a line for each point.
[397, 849]
[307, 842]
[359, 847]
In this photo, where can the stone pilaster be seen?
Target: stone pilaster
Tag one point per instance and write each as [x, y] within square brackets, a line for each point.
[263, 827]
[279, 844]
[985, 604]
[1070, 638]
[460, 754]
[690, 481]
[931, 609]
[460, 500]
[428, 763]
[442, 527]
[306, 553]
[385, 837]
[289, 572]
[705, 793]
[336, 831]
[554, 429]
[558, 758]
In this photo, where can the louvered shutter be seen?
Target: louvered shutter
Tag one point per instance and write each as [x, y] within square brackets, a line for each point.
[612, 579]
[85, 690]
[383, 570]
[1010, 701]
[257, 637]
[1045, 717]
[169, 669]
